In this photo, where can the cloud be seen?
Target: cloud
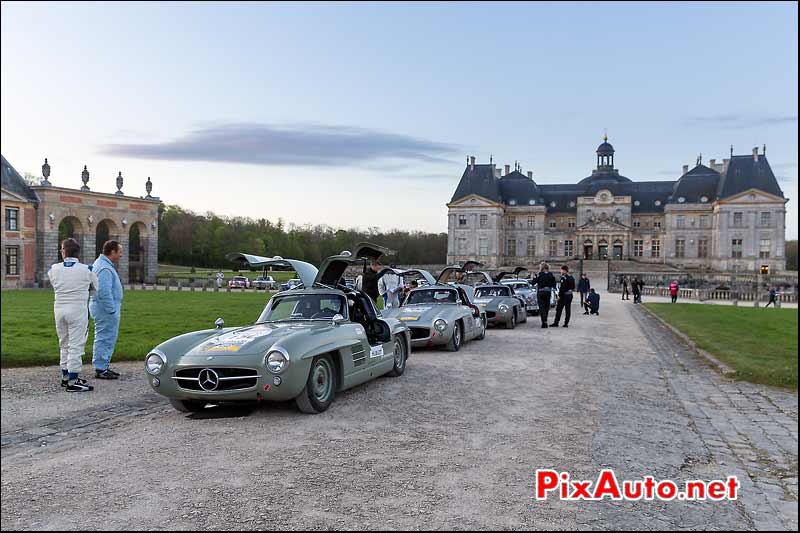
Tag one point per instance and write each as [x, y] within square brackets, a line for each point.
[738, 120]
[265, 144]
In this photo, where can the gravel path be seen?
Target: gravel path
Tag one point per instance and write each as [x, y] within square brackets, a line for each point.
[452, 444]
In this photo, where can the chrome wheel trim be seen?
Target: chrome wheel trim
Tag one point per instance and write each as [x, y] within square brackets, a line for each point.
[321, 380]
[399, 354]
[457, 335]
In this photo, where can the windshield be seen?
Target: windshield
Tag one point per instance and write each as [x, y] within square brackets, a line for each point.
[431, 296]
[492, 292]
[304, 307]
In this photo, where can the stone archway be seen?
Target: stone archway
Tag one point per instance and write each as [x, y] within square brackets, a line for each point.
[105, 230]
[71, 227]
[137, 252]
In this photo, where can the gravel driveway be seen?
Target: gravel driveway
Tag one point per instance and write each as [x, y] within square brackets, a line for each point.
[453, 444]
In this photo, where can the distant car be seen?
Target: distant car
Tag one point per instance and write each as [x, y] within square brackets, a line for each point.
[239, 282]
[291, 284]
[501, 305]
[439, 314]
[526, 291]
[265, 283]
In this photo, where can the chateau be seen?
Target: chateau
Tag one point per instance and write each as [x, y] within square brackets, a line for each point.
[724, 216]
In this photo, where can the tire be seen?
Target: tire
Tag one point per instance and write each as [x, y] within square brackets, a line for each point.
[513, 323]
[399, 360]
[455, 341]
[188, 406]
[524, 315]
[483, 331]
[320, 387]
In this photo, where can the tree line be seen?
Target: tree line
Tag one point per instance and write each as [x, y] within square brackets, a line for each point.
[190, 239]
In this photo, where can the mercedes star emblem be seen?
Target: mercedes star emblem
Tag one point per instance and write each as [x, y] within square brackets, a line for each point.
[209, 380]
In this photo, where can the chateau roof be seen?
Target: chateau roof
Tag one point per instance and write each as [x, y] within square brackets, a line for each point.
[699, 182]
[744, 172]
[14, 183]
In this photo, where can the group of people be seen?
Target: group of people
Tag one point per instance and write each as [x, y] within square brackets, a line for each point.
[83, 291]
[636, 288]
[545, 283]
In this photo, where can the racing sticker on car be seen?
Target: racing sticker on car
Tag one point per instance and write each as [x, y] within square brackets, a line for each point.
[233, 341]
[376, 351]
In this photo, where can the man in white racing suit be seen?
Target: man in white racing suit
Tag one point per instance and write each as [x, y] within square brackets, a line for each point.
[71, 281]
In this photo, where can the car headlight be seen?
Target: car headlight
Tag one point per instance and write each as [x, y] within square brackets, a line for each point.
[155, 363]
[276, 361]
[503, 308]
[440, 325]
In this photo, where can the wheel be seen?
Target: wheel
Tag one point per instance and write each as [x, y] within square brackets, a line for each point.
[513, 323]
[188, 406]
[455, 341]
[483, 330]
[320, 387]
[400, 357]
[524, 315]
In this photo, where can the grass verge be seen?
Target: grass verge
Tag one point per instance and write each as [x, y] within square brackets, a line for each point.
[760, 344]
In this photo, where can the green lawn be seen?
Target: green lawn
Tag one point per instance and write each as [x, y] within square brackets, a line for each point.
[760, 344]
[148, 318]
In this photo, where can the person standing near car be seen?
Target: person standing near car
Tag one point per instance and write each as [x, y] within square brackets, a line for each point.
[369, 280]
[565, 288]
[105, 307]
[545, 282]
[583, 288]
[390, 287]
[220, 277]
[72, 282]
[625, 294]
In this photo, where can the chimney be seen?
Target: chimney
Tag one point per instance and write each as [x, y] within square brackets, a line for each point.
[530, 174]
[764, 150]
[497, 172]
[712, 162]
[755, 153]
[472, 162]
[685, 169]
[508, 170]
[725, 163]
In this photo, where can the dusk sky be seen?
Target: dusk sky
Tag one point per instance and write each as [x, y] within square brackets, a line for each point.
[363, 114]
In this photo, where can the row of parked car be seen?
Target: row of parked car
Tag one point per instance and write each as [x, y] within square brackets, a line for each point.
[320, 335]
[264, 282]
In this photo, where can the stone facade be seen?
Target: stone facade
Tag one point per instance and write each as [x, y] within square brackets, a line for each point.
[88, 216]
[728, 216]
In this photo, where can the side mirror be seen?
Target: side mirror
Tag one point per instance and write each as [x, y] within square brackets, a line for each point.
[219, 323]
[337, 318]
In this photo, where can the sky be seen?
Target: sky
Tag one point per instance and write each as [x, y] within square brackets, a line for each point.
[363, 114]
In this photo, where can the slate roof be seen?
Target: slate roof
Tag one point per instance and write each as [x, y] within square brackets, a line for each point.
[744, 173]
[478, 180]
[699, 182]
[13, 182]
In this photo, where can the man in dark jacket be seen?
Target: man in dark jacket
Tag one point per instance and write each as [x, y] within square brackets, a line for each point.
[594, 302]
[369, 282]
[545, 282]
[625, 294]
[564, 297]
[583, 288]
[636, 288]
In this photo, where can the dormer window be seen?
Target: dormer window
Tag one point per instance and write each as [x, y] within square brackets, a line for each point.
[658, 203]
[552, 204]
[681, 199]
[512, 202]
[637, 203]
[531, 202]
[704, 199]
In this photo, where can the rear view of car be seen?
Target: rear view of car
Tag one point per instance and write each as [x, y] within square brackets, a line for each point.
[239, 282]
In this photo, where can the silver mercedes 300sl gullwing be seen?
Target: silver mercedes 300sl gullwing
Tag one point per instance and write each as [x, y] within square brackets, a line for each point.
[308, 343]
[439, 314]
[501, 305]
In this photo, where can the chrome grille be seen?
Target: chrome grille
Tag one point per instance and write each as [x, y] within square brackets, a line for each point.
[228, 379]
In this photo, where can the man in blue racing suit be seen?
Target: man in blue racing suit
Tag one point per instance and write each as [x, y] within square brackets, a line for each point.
[105, 307]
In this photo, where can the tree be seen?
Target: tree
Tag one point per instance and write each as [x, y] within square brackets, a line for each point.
[32, 179]
[791, 255]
